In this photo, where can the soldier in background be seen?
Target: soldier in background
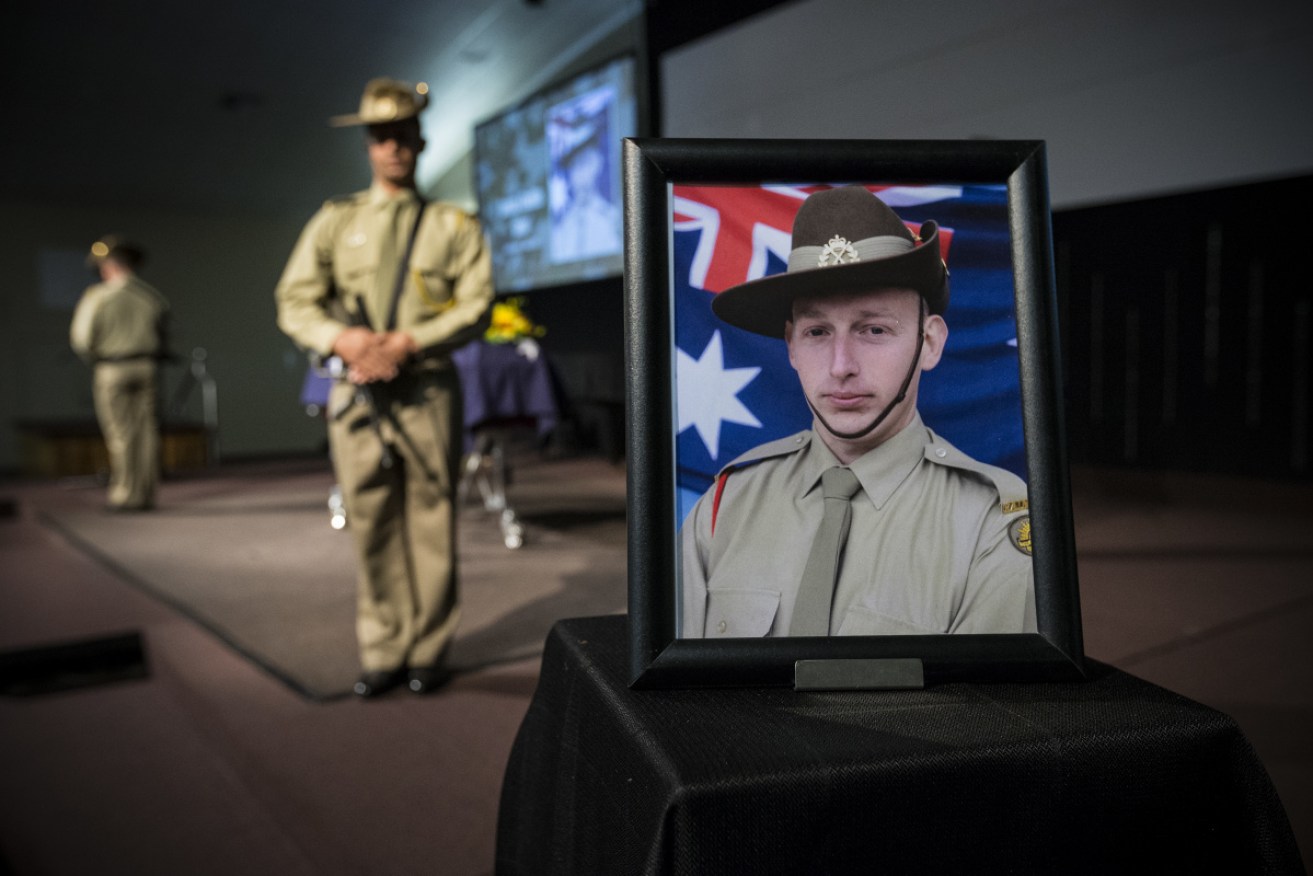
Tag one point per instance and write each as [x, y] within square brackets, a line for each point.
[385, 286]
[119, 328]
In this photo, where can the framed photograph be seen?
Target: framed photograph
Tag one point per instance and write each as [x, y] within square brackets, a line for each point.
[770, 285]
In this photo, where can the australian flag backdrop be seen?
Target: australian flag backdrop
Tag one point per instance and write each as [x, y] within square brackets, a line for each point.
[736, 389]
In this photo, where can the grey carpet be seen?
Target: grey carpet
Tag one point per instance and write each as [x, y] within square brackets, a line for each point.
[249, 554]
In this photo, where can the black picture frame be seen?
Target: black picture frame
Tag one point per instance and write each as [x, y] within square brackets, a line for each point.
[658, 658]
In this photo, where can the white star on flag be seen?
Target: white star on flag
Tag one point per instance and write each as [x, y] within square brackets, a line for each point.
[708, 393]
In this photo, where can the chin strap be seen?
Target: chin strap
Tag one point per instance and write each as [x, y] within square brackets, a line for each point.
[847, 436]
[902, 392]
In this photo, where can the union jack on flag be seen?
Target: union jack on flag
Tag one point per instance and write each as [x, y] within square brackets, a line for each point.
[736, 389]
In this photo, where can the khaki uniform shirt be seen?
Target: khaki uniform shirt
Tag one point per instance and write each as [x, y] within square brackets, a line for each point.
[939, 543]
[119, 319]
[447, 287]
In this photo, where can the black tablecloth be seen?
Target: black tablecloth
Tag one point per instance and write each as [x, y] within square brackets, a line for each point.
[1112, 775]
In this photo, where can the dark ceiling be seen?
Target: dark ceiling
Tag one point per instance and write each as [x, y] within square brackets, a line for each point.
[199, 106]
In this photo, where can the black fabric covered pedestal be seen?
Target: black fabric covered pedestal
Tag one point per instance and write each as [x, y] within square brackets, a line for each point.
[1111, 775]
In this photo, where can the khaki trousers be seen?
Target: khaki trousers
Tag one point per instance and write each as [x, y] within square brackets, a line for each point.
[402, 516]
[124, 394]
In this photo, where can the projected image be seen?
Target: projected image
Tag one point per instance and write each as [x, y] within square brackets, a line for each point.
[548, 180]
[586, 219]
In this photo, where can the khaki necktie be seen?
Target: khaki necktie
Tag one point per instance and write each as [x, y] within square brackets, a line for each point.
[390, 243]
[811, 611]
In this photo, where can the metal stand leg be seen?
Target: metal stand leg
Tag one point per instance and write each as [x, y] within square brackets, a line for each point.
[485, 469]
[336, 508]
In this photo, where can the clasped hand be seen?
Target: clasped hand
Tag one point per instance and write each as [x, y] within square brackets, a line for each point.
[373, 356]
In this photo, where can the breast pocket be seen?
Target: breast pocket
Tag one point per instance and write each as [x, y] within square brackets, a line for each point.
[431, 290]
[354, 259]
[740, 613]
[429, 284]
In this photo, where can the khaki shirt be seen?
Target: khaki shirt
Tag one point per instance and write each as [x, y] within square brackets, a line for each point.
[447, 289]
[939, 543]
[119, 319]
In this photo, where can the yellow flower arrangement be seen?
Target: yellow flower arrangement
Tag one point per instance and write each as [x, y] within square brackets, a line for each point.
[510, 323]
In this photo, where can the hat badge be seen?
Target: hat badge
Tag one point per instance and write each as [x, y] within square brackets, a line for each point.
[837, 251]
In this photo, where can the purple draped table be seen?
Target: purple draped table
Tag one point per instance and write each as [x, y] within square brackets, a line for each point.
[500, 383]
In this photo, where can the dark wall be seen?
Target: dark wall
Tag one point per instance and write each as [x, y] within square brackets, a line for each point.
[669, 24]
[1186, 330]
[585, 346]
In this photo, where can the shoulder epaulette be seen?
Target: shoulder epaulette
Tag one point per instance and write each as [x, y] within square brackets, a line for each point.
[458, 216]
[1012, 492]
[779, 447]
[344, 200]
[769, 450]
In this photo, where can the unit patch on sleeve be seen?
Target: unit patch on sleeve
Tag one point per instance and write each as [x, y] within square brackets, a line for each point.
[1019, 532]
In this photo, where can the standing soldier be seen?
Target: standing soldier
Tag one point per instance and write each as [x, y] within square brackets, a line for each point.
[119, 327]
[386, 286]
